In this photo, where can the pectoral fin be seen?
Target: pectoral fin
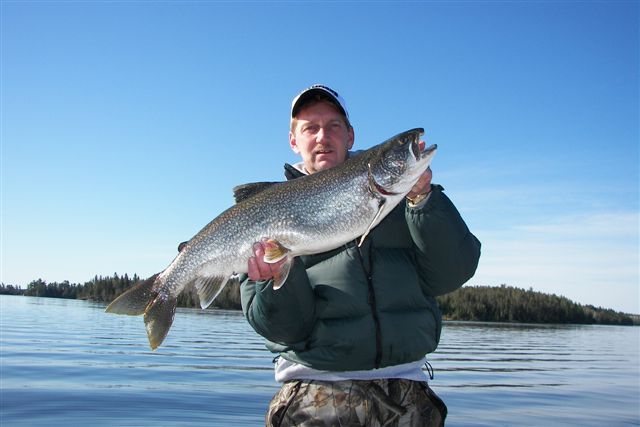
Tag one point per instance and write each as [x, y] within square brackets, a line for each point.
[274, 252]
[373, 222]
[379, 193]
[283, 273]
[209, 287]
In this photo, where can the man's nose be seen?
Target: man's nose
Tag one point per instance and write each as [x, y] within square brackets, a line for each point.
[321, 135]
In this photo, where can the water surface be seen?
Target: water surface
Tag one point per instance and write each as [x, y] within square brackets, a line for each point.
[66, 362]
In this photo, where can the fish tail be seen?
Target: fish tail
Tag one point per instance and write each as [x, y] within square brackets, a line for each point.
[158, 318]
[135, 301]
[158, 308]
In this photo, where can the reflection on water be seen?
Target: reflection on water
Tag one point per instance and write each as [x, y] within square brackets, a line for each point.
[510, 374]
[66, 362]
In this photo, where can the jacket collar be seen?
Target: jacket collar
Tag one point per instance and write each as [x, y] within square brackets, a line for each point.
[297, 169]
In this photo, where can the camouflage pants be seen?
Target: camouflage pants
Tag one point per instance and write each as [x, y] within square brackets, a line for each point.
[386, 402]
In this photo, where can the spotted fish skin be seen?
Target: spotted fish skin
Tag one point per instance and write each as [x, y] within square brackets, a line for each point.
[312, 214]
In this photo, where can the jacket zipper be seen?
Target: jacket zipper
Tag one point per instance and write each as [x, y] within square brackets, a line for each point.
[371, 299]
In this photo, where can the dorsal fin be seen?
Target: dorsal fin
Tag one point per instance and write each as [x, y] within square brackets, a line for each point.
[244, 191]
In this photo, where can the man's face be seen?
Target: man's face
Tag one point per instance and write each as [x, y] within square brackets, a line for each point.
[321, 137]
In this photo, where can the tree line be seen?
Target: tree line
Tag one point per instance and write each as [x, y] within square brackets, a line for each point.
[106, 289]
[509, 304]
[476, 303]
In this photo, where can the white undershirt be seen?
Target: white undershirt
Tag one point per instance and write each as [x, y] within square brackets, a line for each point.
[286, 370]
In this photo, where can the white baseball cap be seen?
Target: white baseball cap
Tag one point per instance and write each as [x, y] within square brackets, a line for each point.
[325, 92]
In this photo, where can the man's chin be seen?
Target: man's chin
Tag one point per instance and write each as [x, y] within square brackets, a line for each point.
[324, 165]
[327, 161]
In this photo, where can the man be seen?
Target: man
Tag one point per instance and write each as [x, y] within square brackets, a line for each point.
[352, 326]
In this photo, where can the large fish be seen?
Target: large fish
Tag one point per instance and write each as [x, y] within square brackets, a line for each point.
[308, 215]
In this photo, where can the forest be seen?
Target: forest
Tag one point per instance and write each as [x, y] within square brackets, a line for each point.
[473, 303]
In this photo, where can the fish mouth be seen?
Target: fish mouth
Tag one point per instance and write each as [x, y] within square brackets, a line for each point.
[415, 136]
[418, 153]
[427, 151]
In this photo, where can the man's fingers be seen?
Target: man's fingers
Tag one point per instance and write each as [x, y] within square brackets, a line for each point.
[257, 268]
[255, 265]
[254, 272]
[423, 185]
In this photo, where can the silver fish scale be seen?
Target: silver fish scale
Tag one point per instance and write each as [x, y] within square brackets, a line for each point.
[312, 214]
[297, 216]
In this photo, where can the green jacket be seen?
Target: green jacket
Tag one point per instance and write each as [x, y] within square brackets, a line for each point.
[359, 308]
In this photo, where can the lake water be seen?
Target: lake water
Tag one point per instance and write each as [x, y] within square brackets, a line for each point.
[67, 363]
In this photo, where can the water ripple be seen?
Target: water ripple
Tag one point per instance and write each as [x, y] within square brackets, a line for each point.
[76, 365]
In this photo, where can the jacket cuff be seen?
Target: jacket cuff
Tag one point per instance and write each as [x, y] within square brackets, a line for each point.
[422, 203]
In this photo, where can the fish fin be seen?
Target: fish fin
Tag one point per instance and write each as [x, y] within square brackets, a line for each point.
[274, 251]
[244, 191]
[375, 218]
[158, 319]
[135, 301]
[283, 273]
[143, 299]
[209, 287]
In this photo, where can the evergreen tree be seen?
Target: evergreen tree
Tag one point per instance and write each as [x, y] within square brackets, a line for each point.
[479, 303]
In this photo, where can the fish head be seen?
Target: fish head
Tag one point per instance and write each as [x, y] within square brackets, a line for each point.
[398, 163]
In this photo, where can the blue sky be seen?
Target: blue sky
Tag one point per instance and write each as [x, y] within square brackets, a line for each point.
[124, 125]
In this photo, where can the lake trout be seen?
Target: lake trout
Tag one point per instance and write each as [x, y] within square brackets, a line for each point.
[312, 214]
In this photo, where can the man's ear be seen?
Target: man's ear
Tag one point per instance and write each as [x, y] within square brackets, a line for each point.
[293, 144]
[352, 137]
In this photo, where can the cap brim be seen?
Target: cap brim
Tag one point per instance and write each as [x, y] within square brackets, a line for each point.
[323, 94]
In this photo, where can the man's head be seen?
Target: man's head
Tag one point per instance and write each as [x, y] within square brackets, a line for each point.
[320, 129]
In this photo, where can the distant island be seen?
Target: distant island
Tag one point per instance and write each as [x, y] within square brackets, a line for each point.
[472, 303]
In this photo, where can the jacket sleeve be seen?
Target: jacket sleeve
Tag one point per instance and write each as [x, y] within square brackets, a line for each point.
[447, 252]
[284, 316]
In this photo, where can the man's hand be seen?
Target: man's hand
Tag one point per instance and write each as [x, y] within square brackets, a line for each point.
[258, 269]
[422, 186]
